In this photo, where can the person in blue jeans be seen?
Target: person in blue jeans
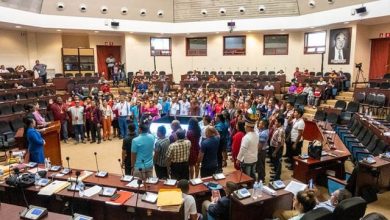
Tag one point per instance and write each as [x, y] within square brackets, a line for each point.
[124, 113]
[218, 208]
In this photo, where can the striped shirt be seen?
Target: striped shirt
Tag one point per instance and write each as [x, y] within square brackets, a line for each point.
[277, 139]
[179, 151]
[161, 147]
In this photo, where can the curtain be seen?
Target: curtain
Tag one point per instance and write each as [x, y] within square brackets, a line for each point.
[380, 56]
[102, 53]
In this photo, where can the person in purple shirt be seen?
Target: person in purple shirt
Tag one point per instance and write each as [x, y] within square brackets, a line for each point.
[292, 88]
[40, 120]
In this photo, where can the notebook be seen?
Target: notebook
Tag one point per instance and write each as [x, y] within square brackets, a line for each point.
[123, 197]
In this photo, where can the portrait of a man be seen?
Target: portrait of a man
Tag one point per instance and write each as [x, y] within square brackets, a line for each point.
[339, 46]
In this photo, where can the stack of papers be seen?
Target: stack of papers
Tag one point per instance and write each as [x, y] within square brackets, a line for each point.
[134, 184]
[295, 187]
[82, 176]
[169, 197]
[92, 191]
[53, 187]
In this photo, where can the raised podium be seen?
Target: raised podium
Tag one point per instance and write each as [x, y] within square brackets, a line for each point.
[51, 134]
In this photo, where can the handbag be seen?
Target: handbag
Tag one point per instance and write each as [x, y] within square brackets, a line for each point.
[315, 149]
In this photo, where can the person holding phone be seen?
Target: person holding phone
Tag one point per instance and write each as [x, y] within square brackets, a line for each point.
[218, 207]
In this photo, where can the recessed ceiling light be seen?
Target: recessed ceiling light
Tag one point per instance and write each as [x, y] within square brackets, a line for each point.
[17, 26]
[96, 31]
[346, 22]
[59, 30]
[312, 27]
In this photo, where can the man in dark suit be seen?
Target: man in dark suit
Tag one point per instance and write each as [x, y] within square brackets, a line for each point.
[341, 52]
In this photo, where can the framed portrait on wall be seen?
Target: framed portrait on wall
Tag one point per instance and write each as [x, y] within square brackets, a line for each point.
[339, 46]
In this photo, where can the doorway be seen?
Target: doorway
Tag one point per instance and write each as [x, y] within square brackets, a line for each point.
[102, 53]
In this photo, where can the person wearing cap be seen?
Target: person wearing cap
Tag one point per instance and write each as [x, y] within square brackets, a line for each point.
[77, 115]
[247, 156]
[177, 156]
[190, 211]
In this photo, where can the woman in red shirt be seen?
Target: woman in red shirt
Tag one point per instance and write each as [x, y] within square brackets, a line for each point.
[236, 142]
[299, 89]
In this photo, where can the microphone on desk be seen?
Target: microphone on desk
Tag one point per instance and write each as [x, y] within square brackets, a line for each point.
[139, 182]
[96, 161]
[67, 161]
[142, 176]
[120, 165]
[74, 190]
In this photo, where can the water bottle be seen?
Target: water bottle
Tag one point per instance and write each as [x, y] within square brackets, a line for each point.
[255, 189]
[48, 163]
[260, 189]
[81, 187]
[45, 163]
[37, 178]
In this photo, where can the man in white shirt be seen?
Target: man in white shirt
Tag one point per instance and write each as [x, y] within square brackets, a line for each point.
[77, 114]
[184, 106]
[205, 124]
[269, 87]
[3, 69]
[174, 107]
[296, 136]
[190, 211]
[247, 157]
[124, 113]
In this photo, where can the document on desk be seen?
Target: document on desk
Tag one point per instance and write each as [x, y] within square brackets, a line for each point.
[134, 184]
[169, 197]
[53, 187]
[83, 175]
[92, 191]
[295, 187]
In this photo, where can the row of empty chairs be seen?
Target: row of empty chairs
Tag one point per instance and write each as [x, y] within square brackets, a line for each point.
[347, 112]
[377, 103]
[361, 140]
[15, 108]
[382, 85]
[14, 96]
[59, 75]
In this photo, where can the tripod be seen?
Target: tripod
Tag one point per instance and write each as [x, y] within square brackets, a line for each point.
[358, 75]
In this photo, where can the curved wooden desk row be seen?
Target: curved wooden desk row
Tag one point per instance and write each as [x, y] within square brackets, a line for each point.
[306, 169]
[11, 212]
[96, 205]
[376, 127]
[302, 79]
[28, 89]
[61, 83]
[113, 180]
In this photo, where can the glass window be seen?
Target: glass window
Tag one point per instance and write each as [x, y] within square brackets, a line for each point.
[196, 46]
[315, 42]
[234, 45]
[160, 46]
[275, 44]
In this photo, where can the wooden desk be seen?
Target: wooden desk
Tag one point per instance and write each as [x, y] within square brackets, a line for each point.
[11, 212]
[310, 168]
[113, 180]
[377, 128]
[261, 208]
[51, 134]
[376, 175]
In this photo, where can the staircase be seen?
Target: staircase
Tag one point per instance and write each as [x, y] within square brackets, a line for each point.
[345, 96]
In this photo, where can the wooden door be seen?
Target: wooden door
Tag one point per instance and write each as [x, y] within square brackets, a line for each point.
[102, 53]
